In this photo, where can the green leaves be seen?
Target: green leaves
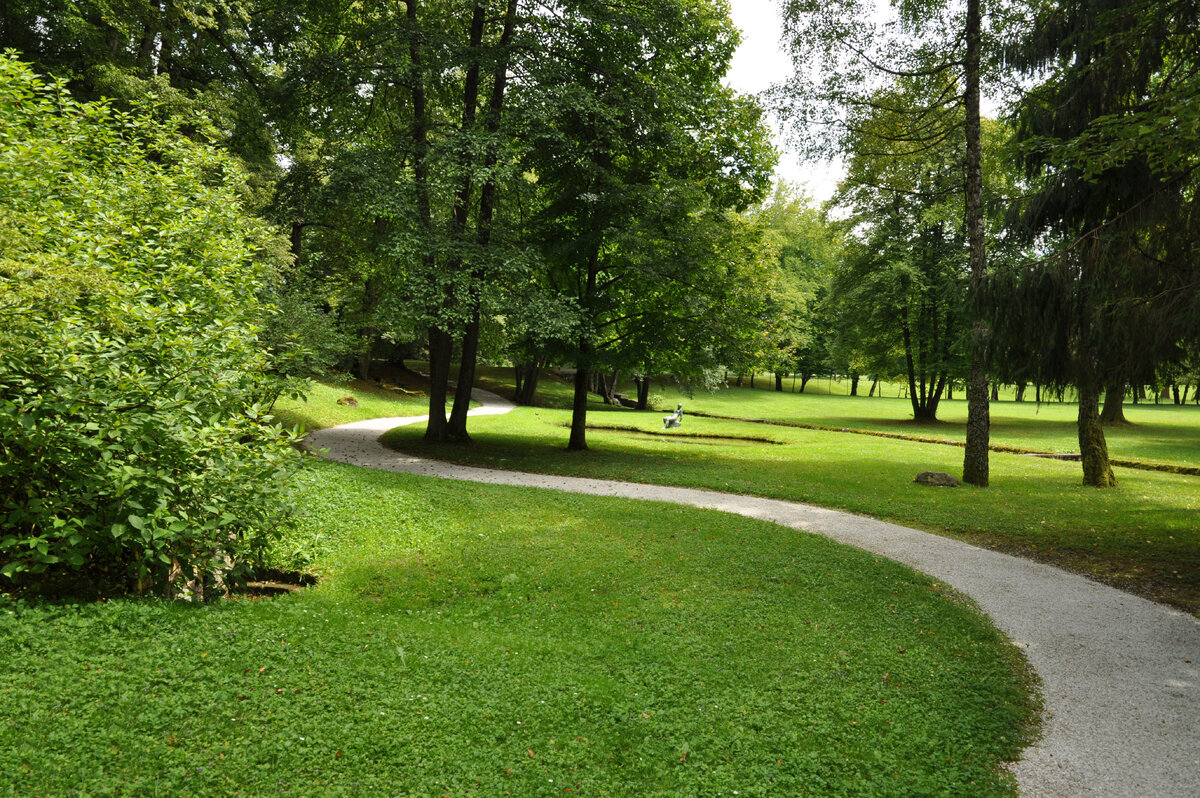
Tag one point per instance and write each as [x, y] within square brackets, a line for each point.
[130, 374]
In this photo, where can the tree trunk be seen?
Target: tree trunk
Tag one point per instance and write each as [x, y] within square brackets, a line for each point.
[368, 331]
[975, 456]
[457, 428]
[643, 392]
[1093, 449]
[1175, 393]
[854, 384]
[950, 390]
[297, 240]
[752, 379]
[1020, 392]
[441, 349]
[918, 409]
[804, 378]
[602, 389]
[440, 343]
[166, 40]
[583, 363]
[779, 381]
[933, 398]
[606, 387]
[739, 381]
[995, 392]
[145, 51]
[527, 381]
[578, 440]
[975, 460]
[936, 398]
[1113, 412]
[874, 385]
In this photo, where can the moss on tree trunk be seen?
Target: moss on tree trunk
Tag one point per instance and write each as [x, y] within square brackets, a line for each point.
[1093, 449]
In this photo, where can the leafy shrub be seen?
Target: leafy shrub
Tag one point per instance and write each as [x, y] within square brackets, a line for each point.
[133, 448]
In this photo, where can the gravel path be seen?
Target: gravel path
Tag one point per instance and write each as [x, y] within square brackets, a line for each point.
[1120, 674]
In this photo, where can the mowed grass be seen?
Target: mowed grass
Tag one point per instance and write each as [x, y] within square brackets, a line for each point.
[1163, 433]
[319, 408]
[1156, 433]
[481, 640]
[1143, 536]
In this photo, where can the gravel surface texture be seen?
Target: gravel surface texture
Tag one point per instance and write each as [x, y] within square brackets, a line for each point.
[1120, 674]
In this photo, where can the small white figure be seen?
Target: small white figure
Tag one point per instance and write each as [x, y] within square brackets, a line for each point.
[675, 419]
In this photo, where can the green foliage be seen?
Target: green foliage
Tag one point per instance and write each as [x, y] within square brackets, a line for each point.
[473, 639]
[639, 153]
[1115, 203]
[806, 249]
[132, 438]
[194, 57]
[304, 341]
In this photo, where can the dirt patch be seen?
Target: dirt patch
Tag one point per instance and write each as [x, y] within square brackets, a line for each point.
[271, 582]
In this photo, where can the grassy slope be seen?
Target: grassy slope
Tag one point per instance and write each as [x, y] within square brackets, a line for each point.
[1143, 536]
[319, 408]
[471, 639]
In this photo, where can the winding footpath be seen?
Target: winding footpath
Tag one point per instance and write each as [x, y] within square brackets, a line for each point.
[1120, 674]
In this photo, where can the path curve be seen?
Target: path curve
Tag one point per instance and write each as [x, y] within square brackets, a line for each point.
[1120, 674]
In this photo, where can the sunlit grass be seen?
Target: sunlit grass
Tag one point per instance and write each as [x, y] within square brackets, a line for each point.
[319, 408]
[1162, 433]
[1143, 535]
[470, 639]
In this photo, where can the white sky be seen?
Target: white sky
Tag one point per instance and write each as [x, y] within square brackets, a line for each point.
[760, 62]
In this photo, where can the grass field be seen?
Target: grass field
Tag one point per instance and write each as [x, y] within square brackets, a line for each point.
[480, 640]
[1156, 433]
[319, 408]
[1163, 433]
[1143, 536]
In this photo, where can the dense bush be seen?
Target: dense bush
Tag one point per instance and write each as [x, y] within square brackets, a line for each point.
[133, 448]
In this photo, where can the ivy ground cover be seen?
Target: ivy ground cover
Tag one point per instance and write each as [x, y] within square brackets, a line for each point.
[480, 640]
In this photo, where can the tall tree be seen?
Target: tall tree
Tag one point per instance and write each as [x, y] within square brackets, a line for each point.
[940, 44]
[488, 161]
[1118, 200]
[631, 132]
[903, 280]
[806, 248]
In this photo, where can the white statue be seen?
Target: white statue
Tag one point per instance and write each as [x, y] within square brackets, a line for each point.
[675, 419]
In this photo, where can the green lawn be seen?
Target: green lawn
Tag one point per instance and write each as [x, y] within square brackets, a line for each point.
[1156, 433]
[1162, 433]
[481, 640]
[319, 408]
[1142, 536]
